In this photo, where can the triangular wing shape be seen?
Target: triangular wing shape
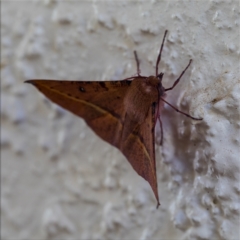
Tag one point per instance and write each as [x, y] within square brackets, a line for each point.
[138, 145]
[100, 104]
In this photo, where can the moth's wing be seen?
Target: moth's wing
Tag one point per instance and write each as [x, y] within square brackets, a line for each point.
[138, 145]
[100, 104]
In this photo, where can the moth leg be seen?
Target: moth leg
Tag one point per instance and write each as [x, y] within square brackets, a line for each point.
[153, 147]
[156, 113]
[187, 115]
[160, 52]
[177, 81]
[157, 117]
[161, 129]
[137, 62]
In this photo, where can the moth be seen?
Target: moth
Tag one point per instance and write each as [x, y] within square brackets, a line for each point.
[123, 113]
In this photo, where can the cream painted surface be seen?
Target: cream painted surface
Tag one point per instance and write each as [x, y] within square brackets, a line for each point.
[60, 181]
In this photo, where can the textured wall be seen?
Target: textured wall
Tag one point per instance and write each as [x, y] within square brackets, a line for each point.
[60, 181]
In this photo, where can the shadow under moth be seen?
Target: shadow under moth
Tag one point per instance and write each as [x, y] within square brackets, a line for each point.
[123, 113]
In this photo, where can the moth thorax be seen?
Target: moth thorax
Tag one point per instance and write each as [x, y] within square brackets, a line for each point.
[156, 84]
[139, 99]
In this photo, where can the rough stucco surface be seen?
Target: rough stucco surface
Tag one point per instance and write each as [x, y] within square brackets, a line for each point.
[60, 181]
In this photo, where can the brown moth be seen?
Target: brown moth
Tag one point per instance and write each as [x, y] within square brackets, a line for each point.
[123, 113]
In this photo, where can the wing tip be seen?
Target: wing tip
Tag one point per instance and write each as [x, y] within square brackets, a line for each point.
[29, 81]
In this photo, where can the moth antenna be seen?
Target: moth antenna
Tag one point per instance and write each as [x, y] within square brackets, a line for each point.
[160, 52]
[177, 81]
[176, 109]
[137, 62]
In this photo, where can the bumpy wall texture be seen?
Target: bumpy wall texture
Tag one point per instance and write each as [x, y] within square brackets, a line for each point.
[60, 181]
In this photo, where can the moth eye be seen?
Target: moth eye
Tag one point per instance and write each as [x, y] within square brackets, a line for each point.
[81, 89]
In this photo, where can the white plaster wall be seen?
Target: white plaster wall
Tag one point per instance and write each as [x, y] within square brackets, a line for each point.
[60, 181]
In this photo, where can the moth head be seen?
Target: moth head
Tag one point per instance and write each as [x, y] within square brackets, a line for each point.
[160, 77]
[161, 89]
